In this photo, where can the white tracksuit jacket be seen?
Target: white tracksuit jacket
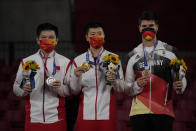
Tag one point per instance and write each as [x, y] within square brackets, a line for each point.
[45, 104]
[97, 101]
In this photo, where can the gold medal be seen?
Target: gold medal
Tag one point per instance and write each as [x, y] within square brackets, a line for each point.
[86, 66]
[146, 73]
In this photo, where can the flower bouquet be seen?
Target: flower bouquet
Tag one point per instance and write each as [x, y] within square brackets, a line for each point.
[110, 64]
[29, 68]
[178, 68]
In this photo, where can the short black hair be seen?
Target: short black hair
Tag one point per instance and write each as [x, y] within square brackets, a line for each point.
[148, 15]
[46, 26]
[93, 25]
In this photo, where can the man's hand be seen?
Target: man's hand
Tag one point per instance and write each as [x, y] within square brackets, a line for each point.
[56, 84]
[27, 88]
[142, 81]
[79, 71]
[178, 85]
[111, 77]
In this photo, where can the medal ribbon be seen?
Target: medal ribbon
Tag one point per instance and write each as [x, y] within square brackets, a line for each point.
[93, 63]
[152, 54]
[146, 68]
[45, 68]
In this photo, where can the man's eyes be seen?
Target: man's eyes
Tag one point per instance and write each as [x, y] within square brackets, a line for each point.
[98, 33]
[43, 37]
[151, 25]
[50, 37]
[92, 33]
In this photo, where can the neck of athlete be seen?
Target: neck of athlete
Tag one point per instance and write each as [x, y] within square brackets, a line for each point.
[149, 43]
[46, 54]
[95, 51]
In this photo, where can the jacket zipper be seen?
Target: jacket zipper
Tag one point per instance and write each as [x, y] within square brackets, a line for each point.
[150, 95]
[166, 95]
[43, 100]
[96, 92]
[44, 89]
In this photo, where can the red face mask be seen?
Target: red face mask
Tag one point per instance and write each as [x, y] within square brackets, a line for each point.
[148, 33]
[96, 41]
[47, 45]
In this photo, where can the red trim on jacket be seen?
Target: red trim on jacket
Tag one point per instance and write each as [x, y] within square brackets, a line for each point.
[68, 67]
[61, 109]
[81, 107]
[22, 62]
[112, 106]
[28, 109]
[75, 63]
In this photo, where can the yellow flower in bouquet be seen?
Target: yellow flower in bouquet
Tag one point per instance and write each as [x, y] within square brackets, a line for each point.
[184, 64]
[30, 65]
[111, 58]
[29, 71]
[110, 64]
[26, 67]
[172, 62]
[114, 59]
[177, 71]
[178, 62]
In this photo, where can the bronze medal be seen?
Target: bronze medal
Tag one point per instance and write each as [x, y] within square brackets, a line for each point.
[146, 73]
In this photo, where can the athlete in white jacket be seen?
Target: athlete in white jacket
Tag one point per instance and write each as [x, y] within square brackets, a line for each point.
[45, 107]
[97, 109]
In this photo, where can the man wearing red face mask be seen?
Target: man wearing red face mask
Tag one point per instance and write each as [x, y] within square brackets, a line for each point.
[97, 108]
[149, 79]
[45, 107]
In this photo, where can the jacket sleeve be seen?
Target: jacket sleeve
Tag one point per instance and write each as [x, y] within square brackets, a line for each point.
[75, 82]
[18, 91]
[118, 85]
[131, 87]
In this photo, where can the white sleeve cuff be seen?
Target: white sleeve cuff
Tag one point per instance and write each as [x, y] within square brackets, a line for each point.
[136, 89]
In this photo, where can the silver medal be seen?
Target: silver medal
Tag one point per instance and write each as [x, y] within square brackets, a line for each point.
[50, 80]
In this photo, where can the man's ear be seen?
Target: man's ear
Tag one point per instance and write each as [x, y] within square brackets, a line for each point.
[104, 34]
[157, 28]
[139, 28]
[87, 38]
[37, 41]
[57, 40]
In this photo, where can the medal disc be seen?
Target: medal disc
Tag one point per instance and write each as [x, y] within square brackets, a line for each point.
[146, 73]
[85, 66]
[50, 80]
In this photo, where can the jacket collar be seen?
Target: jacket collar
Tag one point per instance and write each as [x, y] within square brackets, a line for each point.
[51, 54]
[159, 46]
